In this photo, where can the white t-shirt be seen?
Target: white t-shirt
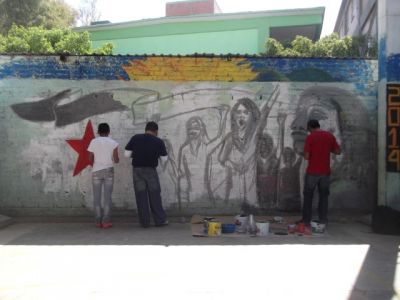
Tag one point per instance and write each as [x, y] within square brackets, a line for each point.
[102, 147]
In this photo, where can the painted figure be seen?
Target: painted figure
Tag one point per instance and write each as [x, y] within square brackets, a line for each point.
[193, 154]
[289, 198]
[344, 115]
[268, 160]
[237, 151]
[169, 174]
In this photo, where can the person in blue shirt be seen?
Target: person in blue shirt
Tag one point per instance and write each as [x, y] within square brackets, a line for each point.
[145, 150]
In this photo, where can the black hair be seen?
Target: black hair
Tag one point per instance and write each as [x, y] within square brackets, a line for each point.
[103, 128]
[151, 126]
[313, 124]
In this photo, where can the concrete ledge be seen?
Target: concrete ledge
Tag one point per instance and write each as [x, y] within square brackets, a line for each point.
[5, 221]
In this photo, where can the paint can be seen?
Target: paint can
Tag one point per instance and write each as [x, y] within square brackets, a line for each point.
[291, 228]
[206, 220]
[262, 228]
[241, 222]
[300, 228]
[214, 228]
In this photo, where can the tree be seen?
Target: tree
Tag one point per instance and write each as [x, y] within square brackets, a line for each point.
[38, 40]
[46, 13]
[329, 46]
[88, 12]
[274, 48]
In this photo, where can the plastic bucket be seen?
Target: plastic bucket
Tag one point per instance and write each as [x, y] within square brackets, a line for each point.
[214, 228]
[262, 228]
[241, 222]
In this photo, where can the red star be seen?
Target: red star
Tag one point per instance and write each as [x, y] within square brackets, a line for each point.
[81, 146]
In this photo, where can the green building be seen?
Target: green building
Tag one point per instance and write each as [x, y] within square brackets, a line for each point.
[211, 33]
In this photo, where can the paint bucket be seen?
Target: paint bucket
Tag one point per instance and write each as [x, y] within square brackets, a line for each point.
[291, 228]
[241, 222]
[262, 228]
[214, 228]
[300, 228]
[228, 228]
[206, 220]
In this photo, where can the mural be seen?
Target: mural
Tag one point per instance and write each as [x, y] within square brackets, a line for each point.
[84, 106]
[232, 144]
[392, 128]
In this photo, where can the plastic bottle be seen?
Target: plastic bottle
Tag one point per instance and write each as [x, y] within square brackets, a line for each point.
[252, 225]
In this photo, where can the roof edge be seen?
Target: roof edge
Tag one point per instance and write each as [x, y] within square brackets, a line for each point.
[205, 18]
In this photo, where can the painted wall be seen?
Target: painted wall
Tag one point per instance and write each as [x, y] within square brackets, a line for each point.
[389, 103]
[234, 128]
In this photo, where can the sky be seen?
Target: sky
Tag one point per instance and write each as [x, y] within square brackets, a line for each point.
[129, 10]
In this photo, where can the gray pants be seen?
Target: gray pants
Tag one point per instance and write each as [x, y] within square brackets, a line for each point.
[311, 182]
[102, 178]
[148, 196]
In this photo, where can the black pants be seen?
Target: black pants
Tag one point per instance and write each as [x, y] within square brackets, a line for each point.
[148, 196]
[311, 182]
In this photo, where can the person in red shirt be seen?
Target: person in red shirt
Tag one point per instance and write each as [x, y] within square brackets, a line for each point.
[318, 147]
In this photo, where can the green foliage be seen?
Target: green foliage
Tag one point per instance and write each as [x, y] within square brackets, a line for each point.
[27, 13]
[2, 43]
[106, 49]
[302, 46]
[329, 46]
[75, 43]
[274, 48]
[37, 40]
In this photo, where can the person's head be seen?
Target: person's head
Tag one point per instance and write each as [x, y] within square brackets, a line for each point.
[265, 145]
[313, 125]
[244, 115]
[195, 128]
[151, 128]
[103, 129]
[318, 103]
[288, 156]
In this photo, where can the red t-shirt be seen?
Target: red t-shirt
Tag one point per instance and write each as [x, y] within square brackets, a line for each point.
[319, 144]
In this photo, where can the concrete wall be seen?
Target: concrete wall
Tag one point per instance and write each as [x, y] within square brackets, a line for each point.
[389, 103]
[234, 129]
[357, 17]
[185, 8]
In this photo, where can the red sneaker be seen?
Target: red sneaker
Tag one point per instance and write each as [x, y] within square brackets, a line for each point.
[307, 230]
[99, 225]
[107, 225]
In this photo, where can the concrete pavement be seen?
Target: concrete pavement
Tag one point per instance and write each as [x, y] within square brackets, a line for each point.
[76, 260]
[5, 221]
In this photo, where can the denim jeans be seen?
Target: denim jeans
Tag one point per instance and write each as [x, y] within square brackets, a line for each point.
[148, 196]
[102, 179]
[322, 182]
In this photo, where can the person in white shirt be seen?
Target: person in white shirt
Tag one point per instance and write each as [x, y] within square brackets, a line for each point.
[103, 152]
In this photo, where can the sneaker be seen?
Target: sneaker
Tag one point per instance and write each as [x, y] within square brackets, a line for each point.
[107, 225]
[162, 224]
[99, 225]
[307, 230]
